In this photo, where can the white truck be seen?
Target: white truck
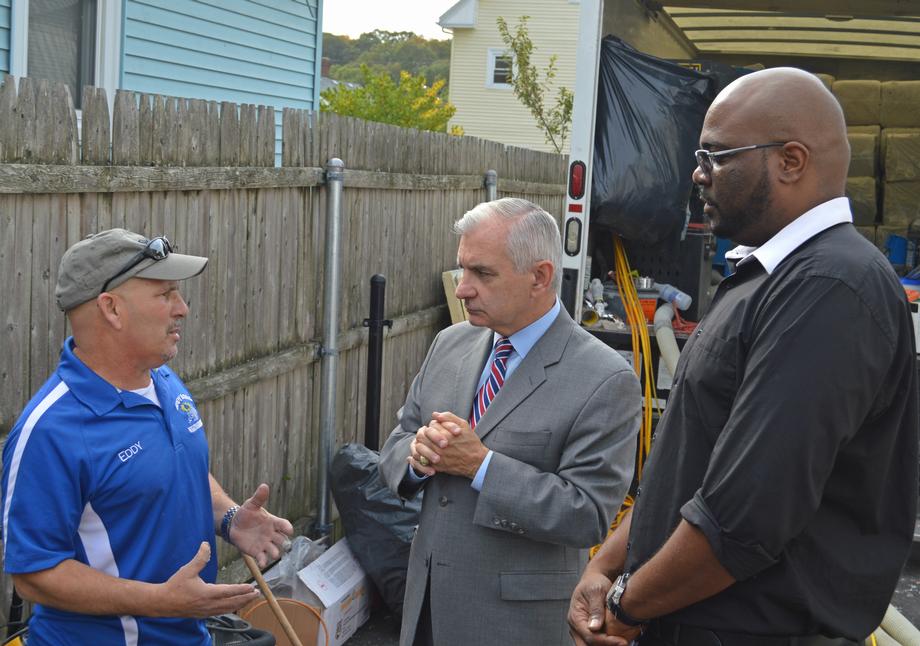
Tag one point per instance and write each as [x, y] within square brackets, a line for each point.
[843, 39]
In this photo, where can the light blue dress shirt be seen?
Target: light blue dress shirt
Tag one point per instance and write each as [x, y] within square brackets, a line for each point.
[523, 341]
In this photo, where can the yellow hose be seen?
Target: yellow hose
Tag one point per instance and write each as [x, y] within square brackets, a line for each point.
[642, 362]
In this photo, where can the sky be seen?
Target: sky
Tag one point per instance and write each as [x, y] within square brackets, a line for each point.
[355, 17]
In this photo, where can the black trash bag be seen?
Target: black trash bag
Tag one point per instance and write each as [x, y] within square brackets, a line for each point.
[379, 526]
[649, 116]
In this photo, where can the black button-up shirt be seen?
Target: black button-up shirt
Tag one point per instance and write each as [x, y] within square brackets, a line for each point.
[790, 440]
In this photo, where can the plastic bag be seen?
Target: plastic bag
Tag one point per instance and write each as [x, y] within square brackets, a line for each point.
[649, 116]
[282, 578]
[379, 526]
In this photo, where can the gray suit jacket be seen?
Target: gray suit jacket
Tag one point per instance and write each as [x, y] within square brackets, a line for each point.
[502, 563]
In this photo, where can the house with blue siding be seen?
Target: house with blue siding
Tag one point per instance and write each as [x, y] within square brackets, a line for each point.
[4, 36]
[265, 52]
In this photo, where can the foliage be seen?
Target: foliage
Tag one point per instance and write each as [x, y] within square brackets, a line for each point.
[554, 120]
[409, 103]
[387, 51]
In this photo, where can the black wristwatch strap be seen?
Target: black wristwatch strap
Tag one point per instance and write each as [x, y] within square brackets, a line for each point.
[613, 602]
[623, 617]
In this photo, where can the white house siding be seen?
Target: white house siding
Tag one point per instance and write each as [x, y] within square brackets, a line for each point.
[495, 113]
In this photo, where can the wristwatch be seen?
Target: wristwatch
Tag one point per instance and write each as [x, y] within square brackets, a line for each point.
[613, 602]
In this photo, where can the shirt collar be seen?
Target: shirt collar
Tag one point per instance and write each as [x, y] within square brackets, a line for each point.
[771, 253]
[91, 389]
[525, 338]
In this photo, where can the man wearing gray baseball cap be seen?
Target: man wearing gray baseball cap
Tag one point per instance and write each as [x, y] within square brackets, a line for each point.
[109, 510]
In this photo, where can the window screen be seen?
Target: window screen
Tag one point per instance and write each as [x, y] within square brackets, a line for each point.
[62, 42]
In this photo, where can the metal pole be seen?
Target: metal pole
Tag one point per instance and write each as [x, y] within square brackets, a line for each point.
[335, 174]
[374, 324]
[491, 183]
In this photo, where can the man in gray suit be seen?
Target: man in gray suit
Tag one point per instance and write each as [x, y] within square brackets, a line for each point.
[521, 427]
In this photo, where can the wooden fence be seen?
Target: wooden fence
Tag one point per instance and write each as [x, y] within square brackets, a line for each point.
[203, 174]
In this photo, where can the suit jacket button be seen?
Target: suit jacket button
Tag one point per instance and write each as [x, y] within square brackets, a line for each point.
[443, 501]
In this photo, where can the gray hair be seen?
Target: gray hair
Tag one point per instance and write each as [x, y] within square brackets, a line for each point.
[533, 235]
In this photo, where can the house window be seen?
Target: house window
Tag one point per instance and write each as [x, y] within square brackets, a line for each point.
[76, 42]
[62, 43]
[501, 66]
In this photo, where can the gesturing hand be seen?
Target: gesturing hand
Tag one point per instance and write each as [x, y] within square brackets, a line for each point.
[258, 533]
[186, 595]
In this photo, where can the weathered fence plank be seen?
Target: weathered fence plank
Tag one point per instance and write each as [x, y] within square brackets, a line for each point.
[24, 150]
[125, 130]
[95, 126]
[229, 135]
[30, 178]
[8, 125]
[27, 178]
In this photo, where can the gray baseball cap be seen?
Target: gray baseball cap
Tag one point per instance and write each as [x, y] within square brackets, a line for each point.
[107, 259]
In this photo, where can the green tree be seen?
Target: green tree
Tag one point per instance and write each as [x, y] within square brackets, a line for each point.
[555, 120]
[409, 103]
[387, 51]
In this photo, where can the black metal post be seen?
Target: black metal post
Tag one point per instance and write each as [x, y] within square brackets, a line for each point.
[375, 325]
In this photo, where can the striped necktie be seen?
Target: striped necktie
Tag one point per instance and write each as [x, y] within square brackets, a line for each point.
[493, 382]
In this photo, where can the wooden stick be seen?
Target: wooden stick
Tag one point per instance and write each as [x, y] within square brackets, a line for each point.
[272, 602]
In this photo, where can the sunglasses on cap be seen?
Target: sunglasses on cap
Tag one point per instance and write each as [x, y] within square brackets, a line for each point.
[156, 249]
[705, 159]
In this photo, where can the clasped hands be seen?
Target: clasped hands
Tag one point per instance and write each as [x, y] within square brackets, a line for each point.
[448, 445]
[590, 622]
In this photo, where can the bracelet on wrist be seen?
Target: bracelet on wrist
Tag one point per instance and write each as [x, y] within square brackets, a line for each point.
[226, 522]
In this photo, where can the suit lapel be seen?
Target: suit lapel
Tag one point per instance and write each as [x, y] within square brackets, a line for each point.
[469, 369]
[529, 375]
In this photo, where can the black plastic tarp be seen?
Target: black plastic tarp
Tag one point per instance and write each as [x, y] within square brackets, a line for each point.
[649, 115]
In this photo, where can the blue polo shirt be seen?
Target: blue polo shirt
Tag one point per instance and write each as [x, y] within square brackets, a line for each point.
[109, 479]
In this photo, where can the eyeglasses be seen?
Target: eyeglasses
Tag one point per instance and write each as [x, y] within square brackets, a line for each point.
[156, 249]
[705, 159]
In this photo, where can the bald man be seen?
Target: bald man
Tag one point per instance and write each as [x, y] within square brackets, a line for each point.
[778, 503]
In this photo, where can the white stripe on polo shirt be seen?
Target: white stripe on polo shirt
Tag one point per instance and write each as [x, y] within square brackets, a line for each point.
[32, 420]
[99, 553]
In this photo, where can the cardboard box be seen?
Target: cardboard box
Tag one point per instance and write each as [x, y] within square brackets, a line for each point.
[899, 100]
[861, 101]
[902, 156]
[342, 592]
[450, 279]
[861, 191]
[901, 203]
[863, 154]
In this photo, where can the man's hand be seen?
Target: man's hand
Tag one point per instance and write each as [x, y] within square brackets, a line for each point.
[258, 533]
[186, 595]
[449, 445]
[588, 617]
[460, 451]
[620, 630]
[424, 450]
